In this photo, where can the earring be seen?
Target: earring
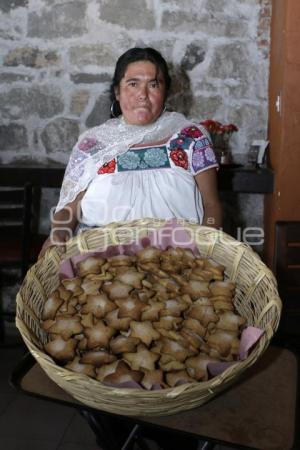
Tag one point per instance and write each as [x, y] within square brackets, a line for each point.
[164, 110]
[112, 109]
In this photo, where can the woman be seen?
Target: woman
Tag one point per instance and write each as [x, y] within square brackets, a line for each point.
[146, 162]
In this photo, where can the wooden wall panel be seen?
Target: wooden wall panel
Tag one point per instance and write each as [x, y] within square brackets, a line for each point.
[284, 125]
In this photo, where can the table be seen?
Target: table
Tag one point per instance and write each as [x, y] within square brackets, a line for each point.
[230, 178]
[260, 411]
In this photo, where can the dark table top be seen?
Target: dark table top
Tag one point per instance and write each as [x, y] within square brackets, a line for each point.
[40, 175]
[258, 411]
[230, 178]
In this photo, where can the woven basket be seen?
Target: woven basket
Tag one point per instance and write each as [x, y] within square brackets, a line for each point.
[256, 299]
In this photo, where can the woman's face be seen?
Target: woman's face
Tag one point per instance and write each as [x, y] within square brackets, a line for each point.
[141, 93]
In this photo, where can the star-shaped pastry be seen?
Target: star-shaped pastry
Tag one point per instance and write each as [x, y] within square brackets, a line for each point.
[123, 374]
[144, 331]
[61, 350]
[141, 359]
[115, 322]
[153, 378]
[99, 305]
[52, 304]
[77, 366]
[97, 358]
[73, 285]
[99, 335]
[151, 311]
[66, 326]
[122, 344]
[130, 307]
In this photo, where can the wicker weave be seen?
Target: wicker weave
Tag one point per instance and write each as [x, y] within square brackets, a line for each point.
[256, 299]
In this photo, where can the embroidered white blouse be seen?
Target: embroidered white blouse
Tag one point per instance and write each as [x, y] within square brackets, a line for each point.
[154, 181]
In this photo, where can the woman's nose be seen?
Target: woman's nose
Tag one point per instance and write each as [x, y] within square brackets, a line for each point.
[142, 93]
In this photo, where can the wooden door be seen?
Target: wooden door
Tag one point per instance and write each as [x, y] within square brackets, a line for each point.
[284, 120]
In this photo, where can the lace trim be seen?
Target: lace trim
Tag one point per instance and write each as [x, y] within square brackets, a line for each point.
[101, 144]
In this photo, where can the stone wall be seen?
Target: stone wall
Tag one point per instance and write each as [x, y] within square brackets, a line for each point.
[58, 56]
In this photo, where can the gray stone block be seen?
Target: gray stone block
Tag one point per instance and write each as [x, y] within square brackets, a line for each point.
[60, 135]
[178, 21]
[42, 100]
[249, 115]
[89, 78]
[132, 14]
[205, 107]
[100, 112]
[13, 137]
[216, 6]
[222, 26]
[99, 55]
[10, 77]
[230, 61]
[191, 5]
[65, 20]
[30, 57]
[7, 5]
[184, 21]
[79, 102]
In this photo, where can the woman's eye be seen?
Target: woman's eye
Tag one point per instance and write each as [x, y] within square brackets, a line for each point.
[154, 84]
[133, 83]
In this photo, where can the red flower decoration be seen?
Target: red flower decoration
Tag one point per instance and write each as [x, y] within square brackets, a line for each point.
[214, 127]
[109, 167]
[179, 141]
[192, 132]
[179, 158]
[230, 128]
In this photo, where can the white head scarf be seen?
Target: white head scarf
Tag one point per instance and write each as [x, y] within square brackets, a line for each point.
[103, 143]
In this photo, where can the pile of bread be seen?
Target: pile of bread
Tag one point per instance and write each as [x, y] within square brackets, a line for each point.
[157, 318]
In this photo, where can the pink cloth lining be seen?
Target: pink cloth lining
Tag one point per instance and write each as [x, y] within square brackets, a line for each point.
[172, 233]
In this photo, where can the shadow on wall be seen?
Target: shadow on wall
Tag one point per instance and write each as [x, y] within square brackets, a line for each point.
[243, 218]
[180, 97]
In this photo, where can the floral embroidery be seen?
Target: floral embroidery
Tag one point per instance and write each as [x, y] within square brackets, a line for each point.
[155, 158]
[210, 155]
[192, 132]
[108, 167]
[129, 160]
[181, 141]
[203, 158]
[202, 143]
[198, 160]
[86, 144]
[143, 159]
[179, 158]
[143, 165]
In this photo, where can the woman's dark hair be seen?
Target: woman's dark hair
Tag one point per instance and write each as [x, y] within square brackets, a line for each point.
[133, 55]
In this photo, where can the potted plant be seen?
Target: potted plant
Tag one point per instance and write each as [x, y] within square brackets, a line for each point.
[220, 135]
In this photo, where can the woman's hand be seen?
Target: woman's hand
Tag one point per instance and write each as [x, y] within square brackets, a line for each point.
[63, 225]
[56, 238]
